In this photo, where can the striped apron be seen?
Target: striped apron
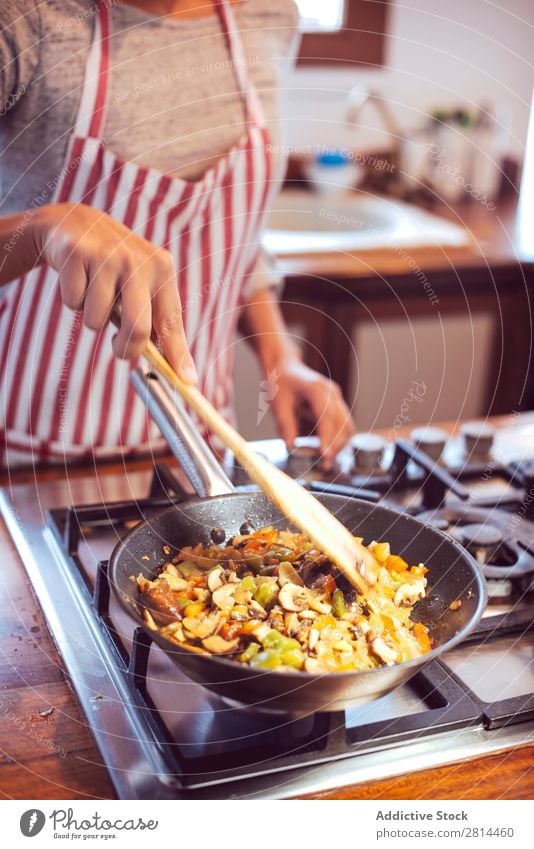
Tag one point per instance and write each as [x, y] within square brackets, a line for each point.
[62, 392]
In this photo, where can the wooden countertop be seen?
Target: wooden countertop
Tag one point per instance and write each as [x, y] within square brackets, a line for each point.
[497, 242]
[51, 755]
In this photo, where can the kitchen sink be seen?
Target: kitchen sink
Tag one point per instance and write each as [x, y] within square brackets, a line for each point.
[304, 222]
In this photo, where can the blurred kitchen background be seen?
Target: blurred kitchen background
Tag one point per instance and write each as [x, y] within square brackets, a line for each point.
[402, 234]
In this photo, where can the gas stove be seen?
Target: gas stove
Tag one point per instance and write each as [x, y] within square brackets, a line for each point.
[163, 736]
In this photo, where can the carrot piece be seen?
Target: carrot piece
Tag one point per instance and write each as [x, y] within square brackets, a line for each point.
[396, 564]
[230, 630]
[420, 633]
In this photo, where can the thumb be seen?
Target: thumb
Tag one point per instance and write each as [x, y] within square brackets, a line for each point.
[286, 420]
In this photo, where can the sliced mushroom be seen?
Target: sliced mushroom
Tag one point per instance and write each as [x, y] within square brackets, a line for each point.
[217, 645]
[201, 628]
[216, 578]
[194, 649]
[287, 574]
[176, 584]
[293, 597]
[292, 623]
[318, 604]
[383, 651]
[149, 620]
[407, 594]
[277, 621]
[303, 634]
[242, 596]
[314, 639]
[174, 632]
[308, 614]
[257, 611]
[239, 613]
[224, 597]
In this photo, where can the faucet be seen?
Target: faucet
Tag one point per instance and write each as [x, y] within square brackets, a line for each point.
[357, 100]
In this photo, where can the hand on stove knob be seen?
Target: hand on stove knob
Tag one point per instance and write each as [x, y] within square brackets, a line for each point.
[299, 389]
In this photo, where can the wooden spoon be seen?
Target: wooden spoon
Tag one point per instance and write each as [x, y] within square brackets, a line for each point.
[352, 558]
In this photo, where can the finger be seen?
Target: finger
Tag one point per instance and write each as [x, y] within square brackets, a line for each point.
[72, 282]
[325, 406]
[136, 319]
[99, 297]
[343, 427]
[286, 420]
[169, 328]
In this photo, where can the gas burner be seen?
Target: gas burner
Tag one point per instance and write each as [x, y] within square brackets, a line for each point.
[499, 542]
[482, 541]
[368, 450]
[304, 457]
[431, 440]
[478, 438]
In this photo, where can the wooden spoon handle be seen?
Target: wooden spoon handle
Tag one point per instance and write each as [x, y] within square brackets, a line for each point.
[352, 558]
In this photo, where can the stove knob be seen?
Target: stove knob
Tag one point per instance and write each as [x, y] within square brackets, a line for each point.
[431, 440]
[304, 457]
[368, 450]
[478, 438]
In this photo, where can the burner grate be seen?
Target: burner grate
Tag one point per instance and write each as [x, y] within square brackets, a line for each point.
[150, 754]
[445, 704]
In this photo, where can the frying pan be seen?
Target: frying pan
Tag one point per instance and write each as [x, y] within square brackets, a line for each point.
[452, 575]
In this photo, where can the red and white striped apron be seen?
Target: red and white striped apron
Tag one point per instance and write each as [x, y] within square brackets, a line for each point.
[62, 392]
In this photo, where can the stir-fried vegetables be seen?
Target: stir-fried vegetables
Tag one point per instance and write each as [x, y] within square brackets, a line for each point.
[269, 599]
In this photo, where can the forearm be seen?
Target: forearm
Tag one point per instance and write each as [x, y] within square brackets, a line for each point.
[266, 331]
[19, 252]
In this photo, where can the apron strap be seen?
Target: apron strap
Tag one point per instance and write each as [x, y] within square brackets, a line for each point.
[239, 58]
[93, 102]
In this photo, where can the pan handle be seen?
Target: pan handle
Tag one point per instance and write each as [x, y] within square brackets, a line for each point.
[195, 458]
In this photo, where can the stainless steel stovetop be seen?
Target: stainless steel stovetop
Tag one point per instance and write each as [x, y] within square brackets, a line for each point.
[162, 736]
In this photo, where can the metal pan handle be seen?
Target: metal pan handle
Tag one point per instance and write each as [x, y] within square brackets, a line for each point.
[195, 458]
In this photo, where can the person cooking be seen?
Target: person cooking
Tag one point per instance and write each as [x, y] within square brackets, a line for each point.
[136, 166]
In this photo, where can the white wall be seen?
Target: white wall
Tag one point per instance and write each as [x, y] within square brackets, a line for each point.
[438, 54]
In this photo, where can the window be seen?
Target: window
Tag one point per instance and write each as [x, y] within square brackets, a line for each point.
[318, 16]
[343, 31]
